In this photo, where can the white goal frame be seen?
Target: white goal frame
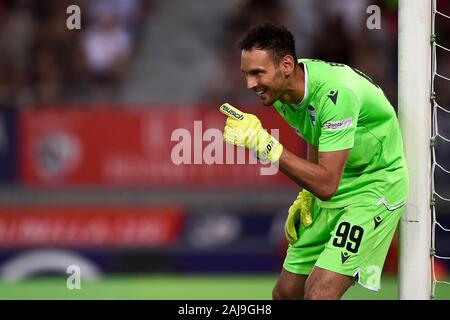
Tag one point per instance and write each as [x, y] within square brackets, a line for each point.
[414, 112]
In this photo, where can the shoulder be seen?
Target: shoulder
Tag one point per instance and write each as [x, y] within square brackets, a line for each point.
[335, 94]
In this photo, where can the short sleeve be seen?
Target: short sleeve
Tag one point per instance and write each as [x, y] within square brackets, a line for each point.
[338, 119]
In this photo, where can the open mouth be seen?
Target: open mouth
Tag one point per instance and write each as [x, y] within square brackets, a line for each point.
[260, 92]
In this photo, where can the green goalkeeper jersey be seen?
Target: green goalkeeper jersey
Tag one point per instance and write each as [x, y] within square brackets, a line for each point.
[344, 109]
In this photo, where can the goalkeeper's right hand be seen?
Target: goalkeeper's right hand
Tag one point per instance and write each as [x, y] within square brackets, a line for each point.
[245, 130]
[302, 210]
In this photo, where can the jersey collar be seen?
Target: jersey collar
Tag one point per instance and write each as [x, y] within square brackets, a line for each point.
[305, 96]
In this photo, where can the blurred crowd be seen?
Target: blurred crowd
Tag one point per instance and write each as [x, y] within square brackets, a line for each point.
[42, 62]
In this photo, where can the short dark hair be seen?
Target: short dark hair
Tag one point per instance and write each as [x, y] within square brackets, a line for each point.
[276, 39]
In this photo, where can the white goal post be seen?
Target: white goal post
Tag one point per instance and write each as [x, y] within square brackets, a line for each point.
[414, 112]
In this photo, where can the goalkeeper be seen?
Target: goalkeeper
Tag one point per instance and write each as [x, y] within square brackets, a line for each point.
[354, 180]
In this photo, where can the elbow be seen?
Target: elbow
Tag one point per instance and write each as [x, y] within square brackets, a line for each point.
[325, 197]
[327, 192]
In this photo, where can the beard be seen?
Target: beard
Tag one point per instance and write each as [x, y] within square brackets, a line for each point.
[270, 97]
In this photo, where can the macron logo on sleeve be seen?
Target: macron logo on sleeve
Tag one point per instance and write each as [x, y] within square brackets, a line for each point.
[338, 125]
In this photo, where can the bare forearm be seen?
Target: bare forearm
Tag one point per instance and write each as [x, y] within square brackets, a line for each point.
[312, 176]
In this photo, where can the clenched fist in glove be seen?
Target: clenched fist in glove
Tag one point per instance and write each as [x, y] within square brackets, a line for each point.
[245, 130]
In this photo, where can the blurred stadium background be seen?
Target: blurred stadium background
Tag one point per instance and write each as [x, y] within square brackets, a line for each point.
[86, 138]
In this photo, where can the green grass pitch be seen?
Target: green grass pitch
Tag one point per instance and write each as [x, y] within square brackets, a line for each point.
[178, 287]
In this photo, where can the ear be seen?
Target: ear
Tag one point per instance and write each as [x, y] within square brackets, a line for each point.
[287, 65]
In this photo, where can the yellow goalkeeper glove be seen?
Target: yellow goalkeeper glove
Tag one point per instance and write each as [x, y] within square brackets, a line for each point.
[245, 130]
[301, 209]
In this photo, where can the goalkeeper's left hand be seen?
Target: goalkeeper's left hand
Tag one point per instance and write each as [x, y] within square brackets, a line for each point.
[245, 130]
[301, 210]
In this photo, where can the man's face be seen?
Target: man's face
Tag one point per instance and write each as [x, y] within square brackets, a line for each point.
[263, 75]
